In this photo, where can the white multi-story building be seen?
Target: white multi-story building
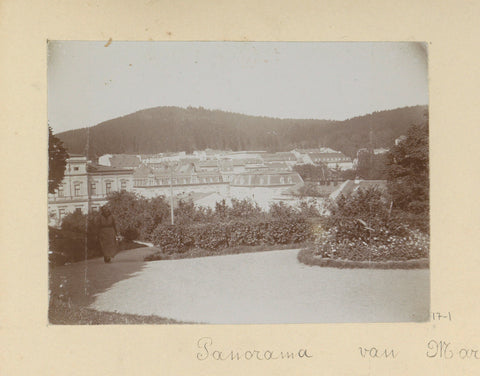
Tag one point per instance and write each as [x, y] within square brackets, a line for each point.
[85, 187]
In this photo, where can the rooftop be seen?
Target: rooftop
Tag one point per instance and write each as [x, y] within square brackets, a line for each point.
[124, 160]
[99, 168]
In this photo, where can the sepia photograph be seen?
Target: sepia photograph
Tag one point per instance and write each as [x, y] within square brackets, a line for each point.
[238, 182]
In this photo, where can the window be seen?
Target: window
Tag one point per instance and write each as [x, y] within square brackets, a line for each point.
[93, 188]
[108, 187]
[123, 185]
[61, 213]
[75, 169]
[76, 188]
[61, 192]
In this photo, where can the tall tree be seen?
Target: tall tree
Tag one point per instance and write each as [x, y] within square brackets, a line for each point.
[57, 160]
[408, 171]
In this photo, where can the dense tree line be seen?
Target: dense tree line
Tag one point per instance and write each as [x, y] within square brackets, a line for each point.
[170, 129]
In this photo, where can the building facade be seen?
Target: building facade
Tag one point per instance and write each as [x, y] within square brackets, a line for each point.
[151, 182]
[85, 187]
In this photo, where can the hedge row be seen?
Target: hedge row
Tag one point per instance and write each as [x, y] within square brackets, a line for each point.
[217, 236]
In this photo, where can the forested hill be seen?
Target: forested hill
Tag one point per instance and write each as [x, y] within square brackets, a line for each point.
[167, 129]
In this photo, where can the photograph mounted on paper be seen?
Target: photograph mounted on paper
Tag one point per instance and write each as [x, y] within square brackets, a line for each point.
[238, 182]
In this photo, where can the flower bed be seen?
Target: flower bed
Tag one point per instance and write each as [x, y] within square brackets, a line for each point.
[390, 247]
[309, 256]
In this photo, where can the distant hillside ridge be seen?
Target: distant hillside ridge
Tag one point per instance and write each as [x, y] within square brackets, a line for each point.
[171, 129]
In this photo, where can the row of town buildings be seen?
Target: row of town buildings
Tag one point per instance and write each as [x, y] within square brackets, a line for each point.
[262, 176]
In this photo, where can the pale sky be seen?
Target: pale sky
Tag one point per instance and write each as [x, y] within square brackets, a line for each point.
[89, 83]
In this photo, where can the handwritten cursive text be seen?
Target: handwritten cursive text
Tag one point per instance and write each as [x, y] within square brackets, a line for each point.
[205, 344]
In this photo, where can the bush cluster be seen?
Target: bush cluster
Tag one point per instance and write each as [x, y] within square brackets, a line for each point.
[144, 219]
[217, 236]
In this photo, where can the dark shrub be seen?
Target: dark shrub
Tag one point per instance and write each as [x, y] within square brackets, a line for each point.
[420, 221]
[244, 209]
[280, 211]
[76, 222]
[72, 246]
[186, 213]
[127, 209]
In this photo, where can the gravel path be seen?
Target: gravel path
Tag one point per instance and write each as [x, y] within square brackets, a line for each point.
[267, 288]
[80, 282]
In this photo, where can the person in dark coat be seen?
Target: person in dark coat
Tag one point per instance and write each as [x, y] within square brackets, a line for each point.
[107, 234]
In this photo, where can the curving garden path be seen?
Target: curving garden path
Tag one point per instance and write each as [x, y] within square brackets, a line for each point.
[261, 288]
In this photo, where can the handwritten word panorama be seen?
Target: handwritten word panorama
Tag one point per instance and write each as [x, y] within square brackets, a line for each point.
[207, 351]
